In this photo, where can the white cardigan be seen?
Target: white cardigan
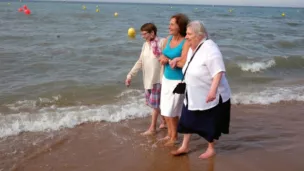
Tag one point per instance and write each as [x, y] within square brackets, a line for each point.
[151, 68]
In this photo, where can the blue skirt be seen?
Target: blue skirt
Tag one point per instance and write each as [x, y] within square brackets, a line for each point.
[209, 124]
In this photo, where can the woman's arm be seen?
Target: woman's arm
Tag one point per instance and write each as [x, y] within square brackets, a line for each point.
[137, 66]
[180, 61]
[216, 67]
[163, 59]
[214, 86]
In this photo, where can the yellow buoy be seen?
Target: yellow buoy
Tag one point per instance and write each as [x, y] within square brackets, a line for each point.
[8, 3]
[97, 10]
[283, 14]
[131, 32]
[84, 7]
[230, 10]
[115, 14]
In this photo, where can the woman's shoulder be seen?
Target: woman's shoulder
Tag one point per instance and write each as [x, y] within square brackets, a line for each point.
[212, 49]
[163, 41]
[167, 38]
[186, 43]
[210, 44]
[144, 44]
[186, 46]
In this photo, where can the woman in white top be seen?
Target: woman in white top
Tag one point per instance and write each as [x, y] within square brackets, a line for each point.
[206, 109]
[152, 72]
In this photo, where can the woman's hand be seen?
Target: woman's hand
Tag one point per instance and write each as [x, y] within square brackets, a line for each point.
[163, 60]
[173, 63]
[211, 96]
[128, 81]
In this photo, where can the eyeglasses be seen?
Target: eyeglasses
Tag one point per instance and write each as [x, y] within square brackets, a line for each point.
[144, 33]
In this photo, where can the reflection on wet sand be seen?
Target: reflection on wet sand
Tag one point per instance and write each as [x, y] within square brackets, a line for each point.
[262, 138]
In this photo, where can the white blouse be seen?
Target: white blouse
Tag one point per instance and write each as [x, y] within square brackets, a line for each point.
[206, 63]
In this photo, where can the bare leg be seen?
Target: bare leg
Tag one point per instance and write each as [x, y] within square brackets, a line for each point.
[209, 152]
[174, 128]
[167, 119]
[185, 146]
[173, 135]
[152, 128]
[163, 123]
[169, 126]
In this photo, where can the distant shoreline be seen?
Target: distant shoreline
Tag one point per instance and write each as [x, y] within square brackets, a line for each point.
[142, 3]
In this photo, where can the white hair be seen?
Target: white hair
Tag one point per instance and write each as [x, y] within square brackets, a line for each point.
[198, 28]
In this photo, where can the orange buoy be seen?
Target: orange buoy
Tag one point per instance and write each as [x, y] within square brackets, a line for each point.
[27, 12]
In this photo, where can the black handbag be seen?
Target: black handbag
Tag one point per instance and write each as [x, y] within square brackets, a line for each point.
[181, 87]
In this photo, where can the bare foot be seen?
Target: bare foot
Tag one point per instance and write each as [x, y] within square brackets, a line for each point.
[180, 151]
[165, 138]
[170, 143]
[208, 153]
[162, 126]
[148, 132]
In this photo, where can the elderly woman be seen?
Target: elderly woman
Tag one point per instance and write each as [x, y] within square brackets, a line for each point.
[175, 50]
[152, 72]
[206, 109]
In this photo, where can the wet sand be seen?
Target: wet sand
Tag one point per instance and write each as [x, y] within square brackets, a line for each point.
[268, 138]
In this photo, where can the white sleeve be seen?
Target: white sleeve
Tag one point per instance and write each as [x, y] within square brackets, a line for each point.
[215, 62]
[138, 65]
[161, 43]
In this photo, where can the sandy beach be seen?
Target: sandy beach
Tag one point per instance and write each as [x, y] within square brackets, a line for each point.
[262, 138]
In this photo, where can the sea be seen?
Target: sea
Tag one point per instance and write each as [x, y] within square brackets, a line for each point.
[65, 64]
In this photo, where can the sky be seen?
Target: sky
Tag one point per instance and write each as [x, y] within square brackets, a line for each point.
[283, 3]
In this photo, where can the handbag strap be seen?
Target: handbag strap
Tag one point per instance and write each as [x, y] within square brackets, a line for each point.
[191, 59]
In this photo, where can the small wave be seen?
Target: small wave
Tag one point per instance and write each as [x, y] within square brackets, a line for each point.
[291, 62]
[199, 11]
[54, 118]
[270, 95]
[44, 44]
[293, 24]
[31, 105]
[84, 15]
[277, 17]
[225, 15]
[95, 39]
[129, 92]
[267, 35]
[12, 37]
[256, 66]
[278, 62]
[286, 44]
[130, 106]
